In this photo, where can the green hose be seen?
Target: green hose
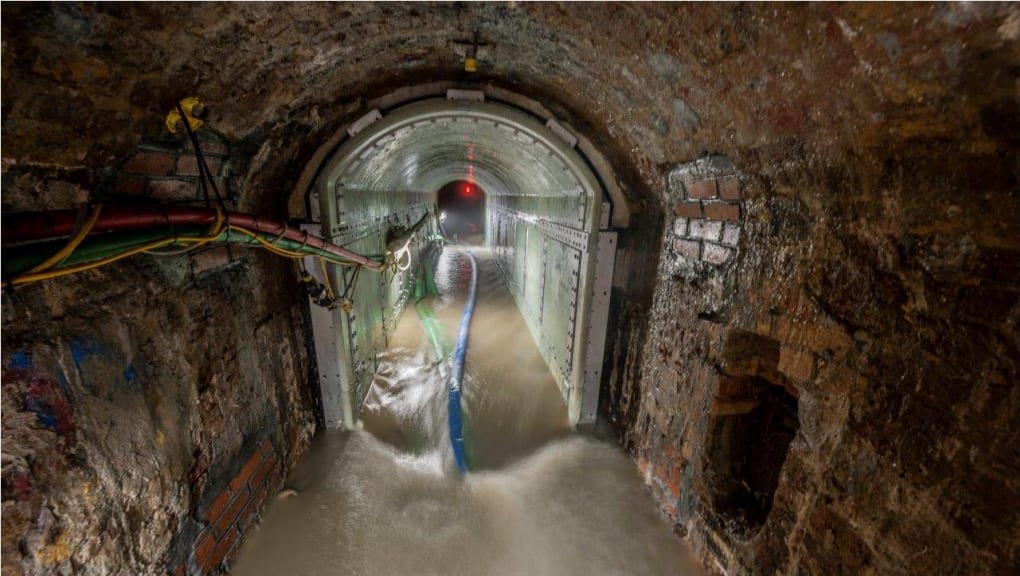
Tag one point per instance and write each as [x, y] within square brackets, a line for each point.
[23, 258]
[438, 338]
[434, 330]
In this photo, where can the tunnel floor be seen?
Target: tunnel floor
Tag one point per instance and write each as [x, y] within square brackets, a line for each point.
[539, 499]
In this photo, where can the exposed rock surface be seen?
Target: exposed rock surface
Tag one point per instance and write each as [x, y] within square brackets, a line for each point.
[875, 279]
[129, 397]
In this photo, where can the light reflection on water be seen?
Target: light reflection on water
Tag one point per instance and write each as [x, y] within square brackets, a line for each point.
[539, 500]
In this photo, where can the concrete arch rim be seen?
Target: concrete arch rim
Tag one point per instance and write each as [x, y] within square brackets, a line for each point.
[302, 205]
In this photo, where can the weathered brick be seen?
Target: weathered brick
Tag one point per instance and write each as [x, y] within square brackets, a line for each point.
[150, 163]
[173, 189]
[225, 545]
[788, 330]
[733, 407]
[722, 211]
[209, 259]
[129, 185]
[688, 248]
[267, 466]
[734, 387]
[819, 339]
[715, 254]
[218, 506]
[187, 165]
[232, 555]
[729, 188]
[231, 514]
[680, 227]
[705, 229]
[246, 471]
[251, 511]
[731, 234]
[261, 497]
[796, 364]
[213, 147]
[275, 478]
[702, 189]
[266, 447]
[688, 209]
[811, 336]
[204, 548]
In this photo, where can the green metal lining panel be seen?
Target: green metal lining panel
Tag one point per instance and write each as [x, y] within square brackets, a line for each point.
[543, 206]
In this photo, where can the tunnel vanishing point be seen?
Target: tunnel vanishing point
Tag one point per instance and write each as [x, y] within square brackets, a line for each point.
[773, 248]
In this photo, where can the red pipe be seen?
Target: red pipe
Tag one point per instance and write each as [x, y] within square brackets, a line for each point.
[27, 226]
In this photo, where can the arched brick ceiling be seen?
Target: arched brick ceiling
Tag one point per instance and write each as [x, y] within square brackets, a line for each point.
[652, 83]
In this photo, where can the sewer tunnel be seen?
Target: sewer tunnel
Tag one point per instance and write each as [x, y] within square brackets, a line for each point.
[546, 218]
[486, 201]
[802, 348]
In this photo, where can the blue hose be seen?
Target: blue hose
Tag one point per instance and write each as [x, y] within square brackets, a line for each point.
[456, 416]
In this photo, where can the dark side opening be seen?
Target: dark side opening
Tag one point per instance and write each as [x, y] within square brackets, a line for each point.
[750, 435]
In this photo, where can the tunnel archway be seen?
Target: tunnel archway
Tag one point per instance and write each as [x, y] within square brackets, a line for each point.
[546, 221]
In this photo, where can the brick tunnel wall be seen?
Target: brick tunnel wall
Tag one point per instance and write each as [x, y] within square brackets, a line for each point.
[151, 408]
[862, 319]
[892, 322]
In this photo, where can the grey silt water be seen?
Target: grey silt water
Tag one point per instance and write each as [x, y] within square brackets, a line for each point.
[540, 499]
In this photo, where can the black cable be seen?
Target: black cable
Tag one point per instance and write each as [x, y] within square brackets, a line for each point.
[203, 168]
[349, 288]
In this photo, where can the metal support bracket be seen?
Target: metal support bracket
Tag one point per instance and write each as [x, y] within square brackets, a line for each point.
[598, 321]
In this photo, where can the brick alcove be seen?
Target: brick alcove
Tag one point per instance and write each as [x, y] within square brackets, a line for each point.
[753, 420]
[749, 436]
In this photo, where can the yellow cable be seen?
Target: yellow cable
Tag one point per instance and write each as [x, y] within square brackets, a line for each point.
[214, 233]
[262, 243]
[268, 245]
[29, 278]
[36, 276]
[217, 226]
[325, 277]
[73, 243]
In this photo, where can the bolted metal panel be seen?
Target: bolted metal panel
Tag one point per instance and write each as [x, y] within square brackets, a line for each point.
[543, 202]
[469, 95]
[601, 291]
[363, 122]
[559, 302]
[559, 130]
[327, 333]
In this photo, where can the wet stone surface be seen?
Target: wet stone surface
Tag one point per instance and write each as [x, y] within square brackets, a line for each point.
[877, 245]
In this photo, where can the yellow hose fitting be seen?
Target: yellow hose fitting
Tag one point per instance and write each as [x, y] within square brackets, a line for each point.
[193, 107]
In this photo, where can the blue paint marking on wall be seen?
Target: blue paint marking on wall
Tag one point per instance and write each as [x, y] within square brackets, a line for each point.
[89, 346]
[82, 348]
[62, 380]
[44, 413]
[21, 360]
[50, 406]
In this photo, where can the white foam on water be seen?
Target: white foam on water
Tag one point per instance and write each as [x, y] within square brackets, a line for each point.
[387, 500]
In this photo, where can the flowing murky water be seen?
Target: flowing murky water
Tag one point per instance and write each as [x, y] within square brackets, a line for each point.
[387, 500]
